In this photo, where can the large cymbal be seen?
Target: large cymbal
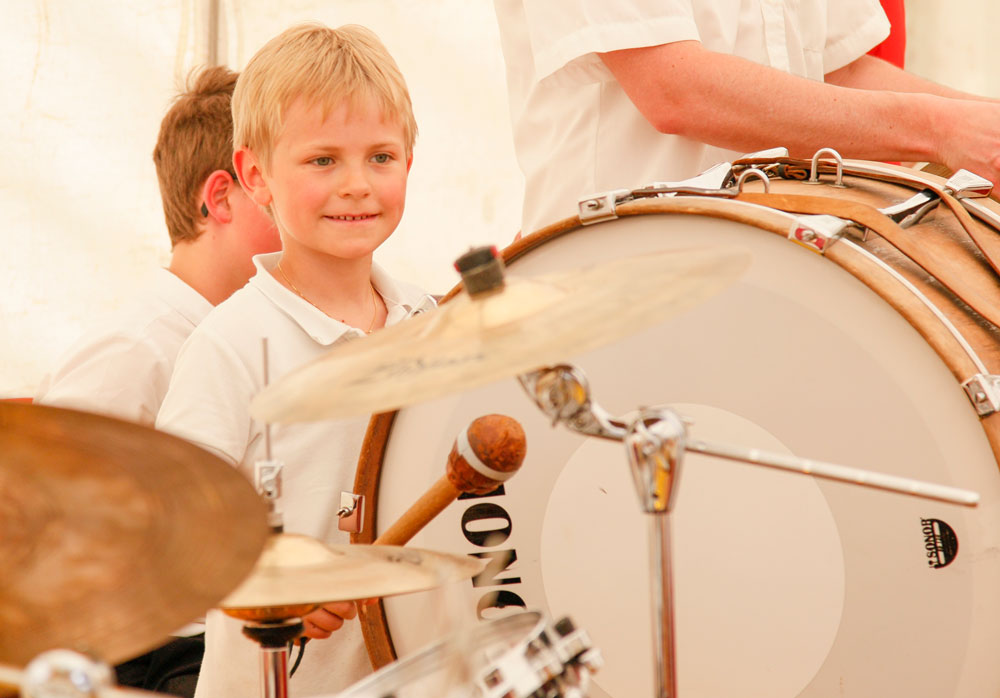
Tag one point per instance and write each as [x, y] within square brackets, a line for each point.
[113, 535]
[296, 570]
[469, 341]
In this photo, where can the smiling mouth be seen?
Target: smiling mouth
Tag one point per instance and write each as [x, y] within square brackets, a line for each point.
[364, 217]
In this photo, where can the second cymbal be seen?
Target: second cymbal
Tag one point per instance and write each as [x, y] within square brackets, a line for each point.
[297, 572]
[471, 341]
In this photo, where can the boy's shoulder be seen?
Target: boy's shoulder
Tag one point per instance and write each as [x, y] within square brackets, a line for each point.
[241, 319]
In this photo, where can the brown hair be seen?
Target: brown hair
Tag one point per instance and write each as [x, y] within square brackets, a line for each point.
[325, 67]
[195, 140]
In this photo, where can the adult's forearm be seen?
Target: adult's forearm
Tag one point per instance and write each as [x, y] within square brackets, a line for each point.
[734, 103]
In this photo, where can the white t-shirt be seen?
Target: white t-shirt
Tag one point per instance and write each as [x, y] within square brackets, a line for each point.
[577, 133]
[123, 368]
[218, 372]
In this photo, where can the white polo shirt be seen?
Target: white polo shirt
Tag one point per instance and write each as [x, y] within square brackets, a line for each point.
[218, 372]
[123, 368]
[577, 133]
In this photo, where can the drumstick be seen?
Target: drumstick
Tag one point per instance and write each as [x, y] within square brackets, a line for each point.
[484, 456]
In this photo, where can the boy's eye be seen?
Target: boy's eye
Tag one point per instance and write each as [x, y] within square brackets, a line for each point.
[382, 158]
[323, 161]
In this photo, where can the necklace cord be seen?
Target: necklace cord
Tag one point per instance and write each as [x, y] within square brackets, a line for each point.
[299, 293]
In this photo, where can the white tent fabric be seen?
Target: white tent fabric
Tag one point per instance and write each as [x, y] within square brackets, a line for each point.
[86, 85]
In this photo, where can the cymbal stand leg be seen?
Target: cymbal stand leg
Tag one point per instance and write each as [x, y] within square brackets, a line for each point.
[273, 638]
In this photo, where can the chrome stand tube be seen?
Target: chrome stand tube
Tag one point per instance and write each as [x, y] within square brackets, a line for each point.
[662, 591]
[273, 638]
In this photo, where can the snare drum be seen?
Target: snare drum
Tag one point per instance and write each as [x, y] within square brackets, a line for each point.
[784, 586]
[513, 657]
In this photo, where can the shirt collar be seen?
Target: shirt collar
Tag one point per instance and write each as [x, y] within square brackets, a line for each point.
[324, 329]
[184, 300]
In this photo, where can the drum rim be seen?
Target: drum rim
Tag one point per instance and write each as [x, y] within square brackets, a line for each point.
[851, 257]
[526, 624]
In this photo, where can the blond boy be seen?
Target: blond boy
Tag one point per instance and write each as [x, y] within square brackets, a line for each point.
[324, 136]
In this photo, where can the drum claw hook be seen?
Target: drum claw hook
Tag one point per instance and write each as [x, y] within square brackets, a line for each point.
[814, 167]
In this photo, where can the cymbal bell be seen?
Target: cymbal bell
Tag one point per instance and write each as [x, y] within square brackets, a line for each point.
[113, 535]
[296, 573]
[471, 341]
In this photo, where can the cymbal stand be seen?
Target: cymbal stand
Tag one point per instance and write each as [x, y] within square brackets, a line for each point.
[655, 440]
[273, 638]
[272, 635]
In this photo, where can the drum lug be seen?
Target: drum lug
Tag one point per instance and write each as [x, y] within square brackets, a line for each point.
[984, 391]
[911, 211]
[351, 509]
[602, 207]
[968, 185]
[61, 672]
[817, 233]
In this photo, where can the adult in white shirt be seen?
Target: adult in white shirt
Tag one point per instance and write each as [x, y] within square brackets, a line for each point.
[617, 95]
[123, 369]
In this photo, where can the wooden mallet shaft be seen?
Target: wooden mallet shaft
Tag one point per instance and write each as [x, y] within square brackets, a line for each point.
[482, 458]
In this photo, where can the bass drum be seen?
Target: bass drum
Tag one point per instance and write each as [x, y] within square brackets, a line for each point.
[784, 586]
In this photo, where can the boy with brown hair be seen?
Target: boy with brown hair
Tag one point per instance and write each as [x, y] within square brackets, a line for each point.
[324, 134]
[123, 369]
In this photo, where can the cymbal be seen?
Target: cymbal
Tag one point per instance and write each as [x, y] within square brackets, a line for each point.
[471, 341]
[295, 570]
[113, 534]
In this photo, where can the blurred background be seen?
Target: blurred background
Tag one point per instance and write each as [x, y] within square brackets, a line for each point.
[87, 85]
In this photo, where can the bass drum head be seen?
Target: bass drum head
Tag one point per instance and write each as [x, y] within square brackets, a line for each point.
[784, 585]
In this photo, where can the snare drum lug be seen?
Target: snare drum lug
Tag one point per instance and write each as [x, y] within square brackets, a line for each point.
[601, 207]
[351, 510]
[984, 391]
[61, 672]
[817, 233]
[968, 185]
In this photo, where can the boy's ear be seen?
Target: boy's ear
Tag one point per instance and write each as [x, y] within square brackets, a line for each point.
[251, 176]
[409, 161]
[215, 196]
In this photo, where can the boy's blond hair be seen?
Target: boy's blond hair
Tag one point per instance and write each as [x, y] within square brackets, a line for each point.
[324, 67]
